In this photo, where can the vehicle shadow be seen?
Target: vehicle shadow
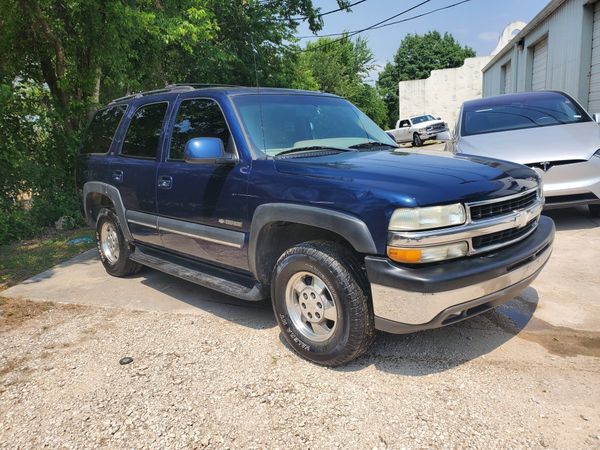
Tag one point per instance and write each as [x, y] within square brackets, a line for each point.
[437, 350]
[577, 218]
[257, 315]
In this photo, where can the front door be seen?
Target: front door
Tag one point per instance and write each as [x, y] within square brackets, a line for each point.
[133, 170]
[202, 208]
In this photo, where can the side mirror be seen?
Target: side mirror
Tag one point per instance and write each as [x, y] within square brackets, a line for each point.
[205, 150]
[438, 118]
[596, 117]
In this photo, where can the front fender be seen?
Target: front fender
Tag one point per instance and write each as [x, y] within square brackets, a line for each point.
[354, 230]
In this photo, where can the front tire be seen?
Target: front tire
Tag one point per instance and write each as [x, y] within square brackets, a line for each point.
[113, 249]
[594, 210]
[417, 141]
[320, 299]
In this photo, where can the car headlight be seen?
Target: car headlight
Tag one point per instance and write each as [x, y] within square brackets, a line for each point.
[429, 128]
[416, 219]
[597, 153]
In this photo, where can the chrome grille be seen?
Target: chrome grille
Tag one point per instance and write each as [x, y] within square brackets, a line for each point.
[499, 208]
[503, 237]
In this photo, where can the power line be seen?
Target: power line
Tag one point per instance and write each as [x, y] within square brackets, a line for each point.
[391, 23]
[299, 19]
[353, 33]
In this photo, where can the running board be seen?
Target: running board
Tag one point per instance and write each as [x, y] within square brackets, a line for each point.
[201, 274]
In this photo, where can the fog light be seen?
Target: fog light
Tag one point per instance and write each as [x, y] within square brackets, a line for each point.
[428, 254]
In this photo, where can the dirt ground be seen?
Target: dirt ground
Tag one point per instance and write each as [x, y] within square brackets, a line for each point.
[210, 371]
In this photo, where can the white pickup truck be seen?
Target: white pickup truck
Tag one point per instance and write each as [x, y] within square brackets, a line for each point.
[418, 129]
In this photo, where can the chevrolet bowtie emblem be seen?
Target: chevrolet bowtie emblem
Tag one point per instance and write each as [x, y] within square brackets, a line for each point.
[521, 218]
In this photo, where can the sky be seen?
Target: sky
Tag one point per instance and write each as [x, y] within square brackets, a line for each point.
[477, 23]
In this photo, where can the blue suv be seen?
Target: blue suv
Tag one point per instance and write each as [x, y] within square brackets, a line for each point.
[300, 197]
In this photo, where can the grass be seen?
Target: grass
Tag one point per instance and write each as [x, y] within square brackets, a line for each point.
[22, 260]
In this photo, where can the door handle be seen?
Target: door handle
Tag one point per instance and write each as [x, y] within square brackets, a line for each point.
[117, 176]
[165, 182]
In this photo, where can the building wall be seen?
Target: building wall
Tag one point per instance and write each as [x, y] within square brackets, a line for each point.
[444, 91]
[569, 32]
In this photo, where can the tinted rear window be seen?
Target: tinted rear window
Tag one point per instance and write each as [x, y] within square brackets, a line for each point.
[145, 128]
[519, 112]
[101, 130]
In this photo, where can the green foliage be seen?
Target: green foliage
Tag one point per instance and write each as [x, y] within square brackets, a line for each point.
[416, 57]
[62, 58]
[341, 66]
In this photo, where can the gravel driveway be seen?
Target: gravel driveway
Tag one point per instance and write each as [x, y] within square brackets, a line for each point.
[221, 377]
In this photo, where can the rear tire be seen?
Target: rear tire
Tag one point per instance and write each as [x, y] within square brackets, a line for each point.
[594, 211]
[417, 141]
[113, 249]
[321, 302]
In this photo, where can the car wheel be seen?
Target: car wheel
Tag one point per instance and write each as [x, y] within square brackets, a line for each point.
[417, 141]
[594, 210]
[114, 251]
[320, 298]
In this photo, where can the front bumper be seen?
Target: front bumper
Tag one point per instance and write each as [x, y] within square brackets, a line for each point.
[408, 299]
[572, 184]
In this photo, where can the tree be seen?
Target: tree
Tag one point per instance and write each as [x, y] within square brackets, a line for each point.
[62, 58]
[341, 66]
[416, 57]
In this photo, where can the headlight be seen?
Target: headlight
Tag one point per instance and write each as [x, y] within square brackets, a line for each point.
[415, 219]
[428, 254]
[429, 128]
[597, 153]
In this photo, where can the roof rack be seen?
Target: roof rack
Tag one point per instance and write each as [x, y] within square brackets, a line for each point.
[170, 88]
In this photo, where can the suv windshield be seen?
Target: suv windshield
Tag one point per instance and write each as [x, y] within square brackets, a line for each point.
[421, 119]
[279, 123]
[515, 112]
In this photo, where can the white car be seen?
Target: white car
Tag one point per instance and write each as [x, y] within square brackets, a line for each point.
[545, 130]
[417, 129]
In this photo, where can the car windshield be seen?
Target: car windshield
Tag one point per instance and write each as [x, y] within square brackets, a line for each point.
[279, 123]
[421, 119]
[516, 112]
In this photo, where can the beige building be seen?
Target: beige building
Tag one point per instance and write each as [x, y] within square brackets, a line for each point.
[445, 90]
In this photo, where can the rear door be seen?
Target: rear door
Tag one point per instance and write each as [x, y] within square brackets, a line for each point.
[133, 171]
[202, 207]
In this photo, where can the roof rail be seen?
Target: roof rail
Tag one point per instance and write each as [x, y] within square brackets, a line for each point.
[201, 85]
[172, 87]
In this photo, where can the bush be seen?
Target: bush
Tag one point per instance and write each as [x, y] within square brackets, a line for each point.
[37, 161]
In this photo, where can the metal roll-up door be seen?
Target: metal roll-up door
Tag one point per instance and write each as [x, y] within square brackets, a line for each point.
[507, 78]
[594, 98]
[540, 60]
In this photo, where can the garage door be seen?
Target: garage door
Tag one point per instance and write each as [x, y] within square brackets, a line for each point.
[540, 59]
[507, 74]
[594, 99]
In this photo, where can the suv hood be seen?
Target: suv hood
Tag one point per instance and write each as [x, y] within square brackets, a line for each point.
[428, 123]
[532, 145]
[414, 179]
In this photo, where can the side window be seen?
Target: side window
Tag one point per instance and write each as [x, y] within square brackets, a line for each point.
[198, 118]
[101, 129]
[404, 124]
[143, 134]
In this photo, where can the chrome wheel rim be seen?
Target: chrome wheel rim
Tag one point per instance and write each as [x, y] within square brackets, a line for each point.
[109, 242]
[311, 306]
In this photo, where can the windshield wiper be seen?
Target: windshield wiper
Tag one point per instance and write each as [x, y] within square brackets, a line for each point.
[371, 144]
[313, 148]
